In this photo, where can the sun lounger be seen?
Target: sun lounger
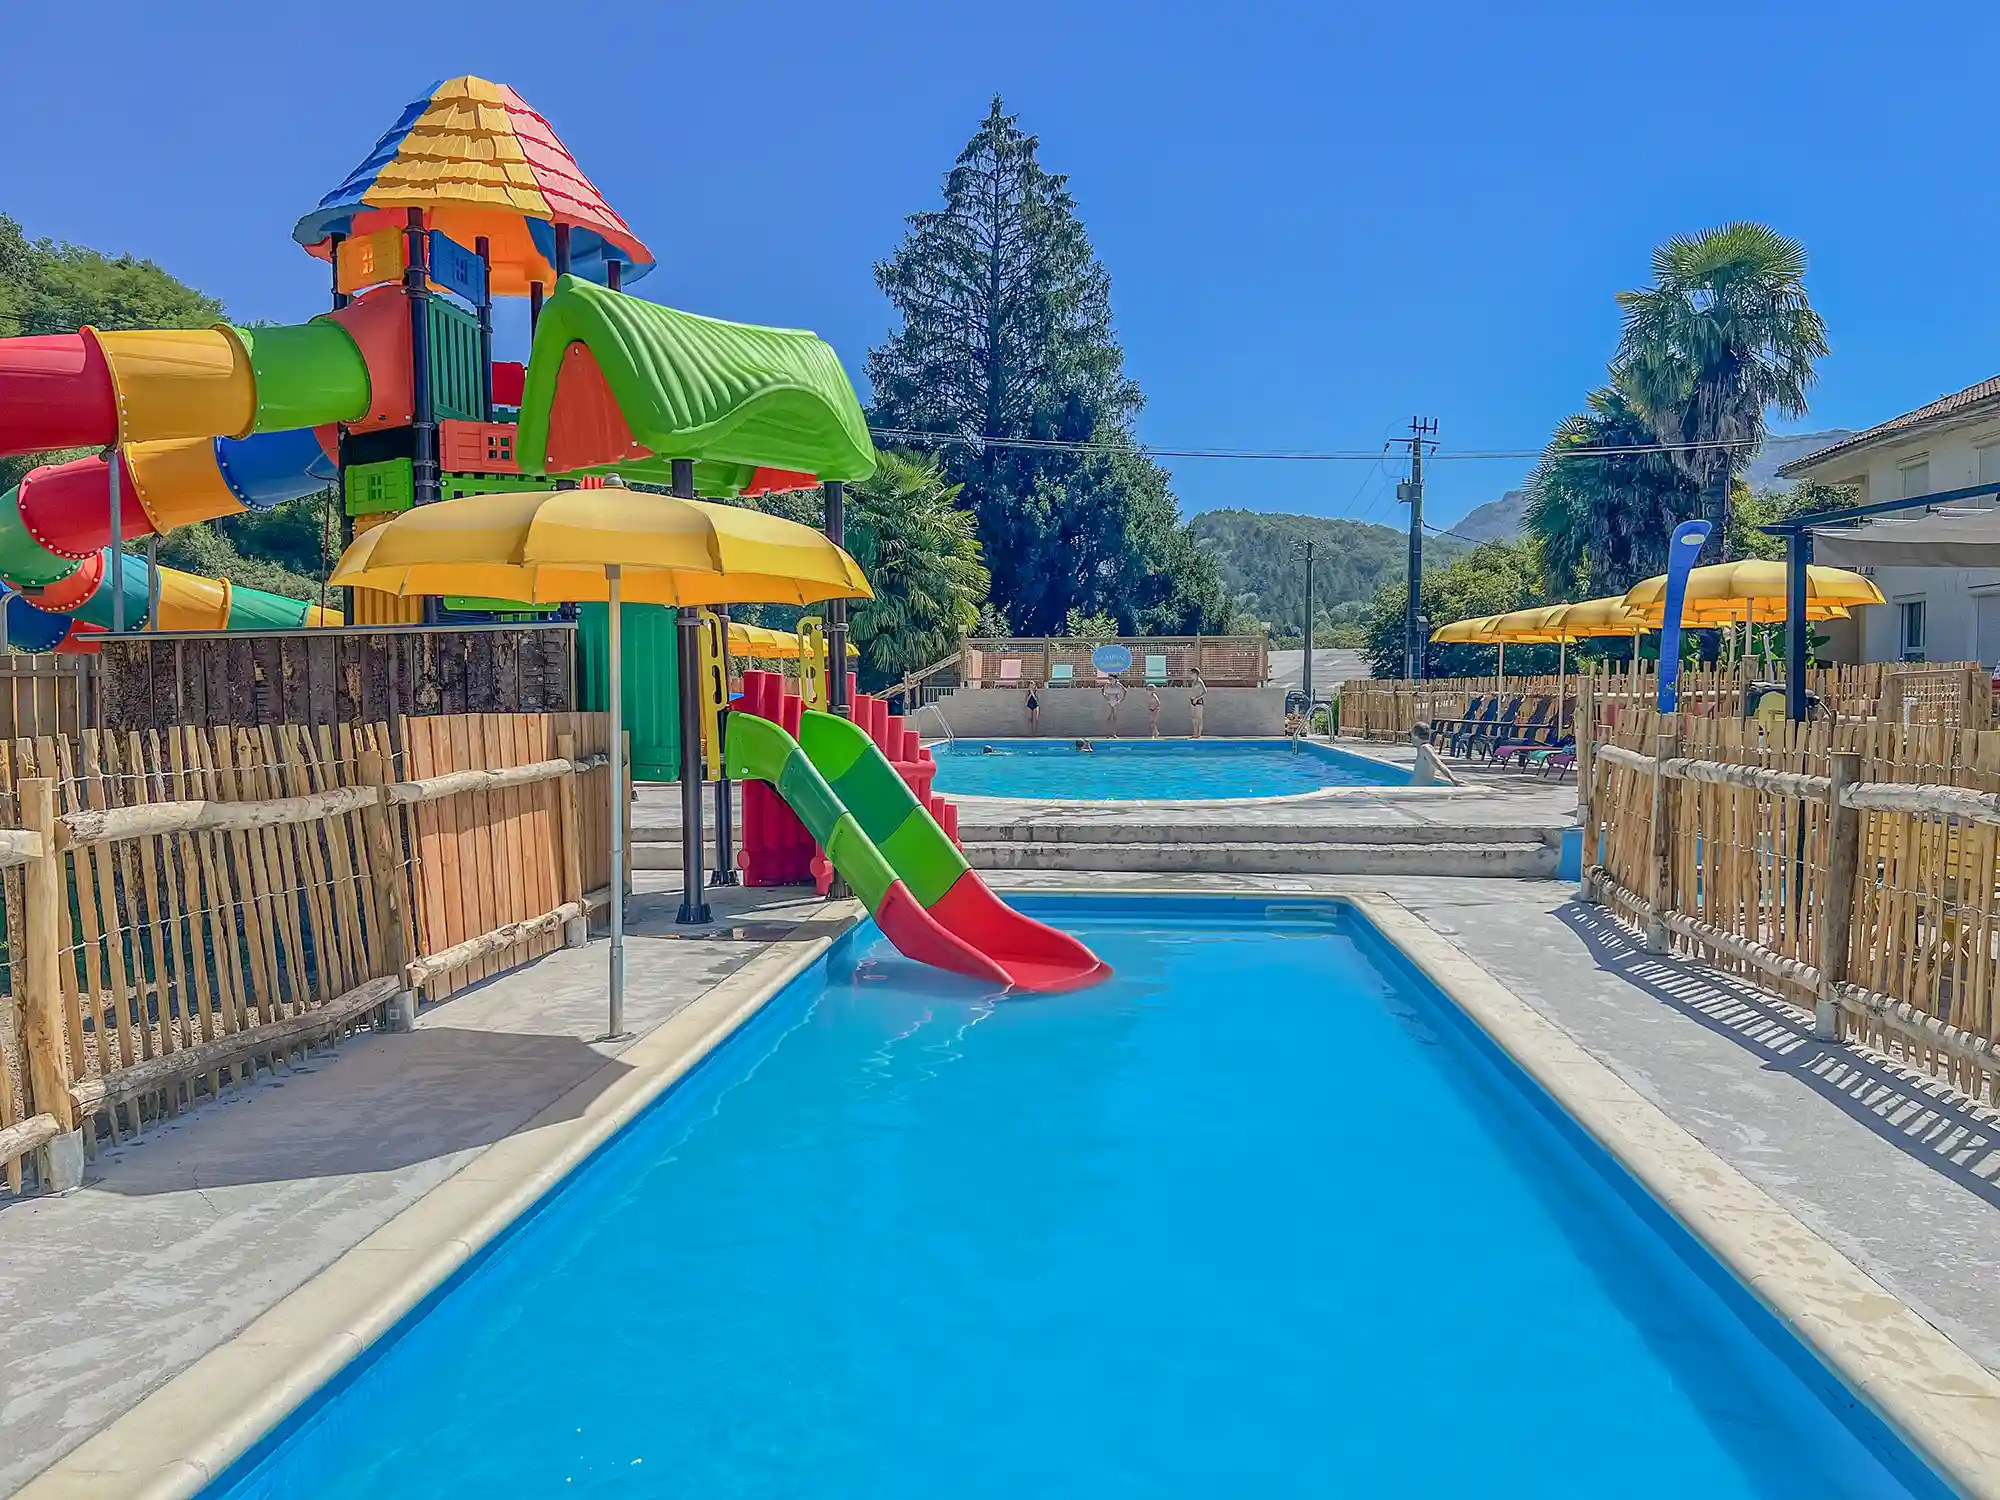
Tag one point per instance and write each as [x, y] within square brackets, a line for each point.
[1156, 671]
[1010, 671]
[1468, 734]
[1509, 728]
[1062, 674]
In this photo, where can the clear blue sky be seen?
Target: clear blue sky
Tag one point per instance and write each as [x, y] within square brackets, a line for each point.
[1318, 219]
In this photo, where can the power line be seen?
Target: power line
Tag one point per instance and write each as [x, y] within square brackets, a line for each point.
[1281, 455]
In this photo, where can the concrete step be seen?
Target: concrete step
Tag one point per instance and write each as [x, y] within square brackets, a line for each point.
[1534, 860]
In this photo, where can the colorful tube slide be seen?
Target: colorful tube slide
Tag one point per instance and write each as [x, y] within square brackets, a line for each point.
[926, 899]
[208, 423]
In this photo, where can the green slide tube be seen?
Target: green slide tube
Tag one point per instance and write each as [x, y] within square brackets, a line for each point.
[308, 374]
[253, 609]
[25, 562]
[909, 837]
[758, 750]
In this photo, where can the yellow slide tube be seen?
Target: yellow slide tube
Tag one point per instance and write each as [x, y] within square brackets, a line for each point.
[178, 482]
[189, 601]
[180, 383]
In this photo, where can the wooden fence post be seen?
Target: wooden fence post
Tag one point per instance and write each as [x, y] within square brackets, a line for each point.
[1660, 898]
[39, 976]
[1843, 865]
[569, 806]
[385, 860]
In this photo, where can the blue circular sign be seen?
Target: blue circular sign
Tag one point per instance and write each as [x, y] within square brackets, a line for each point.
[1111, 660]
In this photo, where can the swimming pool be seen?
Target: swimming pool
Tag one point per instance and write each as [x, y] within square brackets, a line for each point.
[1125, 770]
[1264, 1215]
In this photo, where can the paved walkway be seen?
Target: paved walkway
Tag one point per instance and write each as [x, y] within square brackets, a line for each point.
[178, 1241]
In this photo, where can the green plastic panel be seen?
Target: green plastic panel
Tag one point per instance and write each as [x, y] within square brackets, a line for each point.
[755, 749]
[308, 374]
[860, 863]
[926, 859]
[370, 489]
[651, 699]
[458, 380]
[456, 486]
[253, 609]
[808, 795]
[25, 562]
[698, 388]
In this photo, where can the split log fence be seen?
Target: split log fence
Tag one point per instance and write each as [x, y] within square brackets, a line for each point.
[187, 906]
[1852, 868]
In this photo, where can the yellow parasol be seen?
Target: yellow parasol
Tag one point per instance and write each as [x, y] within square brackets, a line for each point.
[1720, 590]
[769, 645]
[1470, 632]
[564, 546]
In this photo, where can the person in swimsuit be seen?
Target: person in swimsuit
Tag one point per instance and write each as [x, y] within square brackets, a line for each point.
[1197, 696]
[1153, 710]
[1034, 711]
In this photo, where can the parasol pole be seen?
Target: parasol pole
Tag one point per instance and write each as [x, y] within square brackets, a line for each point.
[1500, 675]
[613, 574]
[1562, 671]
[694, 908]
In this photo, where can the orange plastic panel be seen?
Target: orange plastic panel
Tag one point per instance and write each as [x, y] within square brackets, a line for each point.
[180, 383]
[586, 426]
[476, 447]
[371, 259]
[379, 324]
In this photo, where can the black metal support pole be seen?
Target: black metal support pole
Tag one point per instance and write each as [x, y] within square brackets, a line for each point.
[694, 908]
[614, 275]
[340, 300]
[484, 248]
[334, 242]
[725, 810]
[562, 250]
[423, 420]
[836, 609]
[534, 307]
[1798, 632]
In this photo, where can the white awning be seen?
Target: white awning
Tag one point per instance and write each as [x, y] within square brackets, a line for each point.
[1927, 539]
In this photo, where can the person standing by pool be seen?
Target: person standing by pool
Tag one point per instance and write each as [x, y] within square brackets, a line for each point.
[1034, 710]
[1114, 694]
[1197, 696]
[1153, 709]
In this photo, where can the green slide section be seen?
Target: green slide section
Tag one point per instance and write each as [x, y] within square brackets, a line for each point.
[23, 560]
[755, 749]
[308, 374]
[253, 609]
[921, 853]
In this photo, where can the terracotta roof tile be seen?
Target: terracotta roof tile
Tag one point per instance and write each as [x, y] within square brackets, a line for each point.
[1958, 404]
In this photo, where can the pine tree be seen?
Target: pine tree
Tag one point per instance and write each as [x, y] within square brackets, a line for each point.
[1006, 333]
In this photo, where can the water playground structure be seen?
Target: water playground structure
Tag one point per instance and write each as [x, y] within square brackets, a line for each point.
[394, 396]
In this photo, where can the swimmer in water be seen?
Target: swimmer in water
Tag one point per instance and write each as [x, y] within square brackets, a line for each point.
[1083, 747]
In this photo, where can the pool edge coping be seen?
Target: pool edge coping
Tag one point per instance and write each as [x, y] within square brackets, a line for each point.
[1901, 1366]
[181, 1437]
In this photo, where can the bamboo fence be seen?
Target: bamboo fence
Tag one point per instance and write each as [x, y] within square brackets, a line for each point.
[1954, 693]
[1852, 868]
[187, 906]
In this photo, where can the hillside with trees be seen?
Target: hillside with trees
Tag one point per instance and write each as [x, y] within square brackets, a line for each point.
[1260, 558]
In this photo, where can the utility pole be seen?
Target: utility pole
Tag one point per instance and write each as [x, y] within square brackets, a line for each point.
[1411, 493]
[1308, 681]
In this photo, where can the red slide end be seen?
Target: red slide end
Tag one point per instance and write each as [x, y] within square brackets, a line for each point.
[55, 392]
[916, 935]
[1033, 955]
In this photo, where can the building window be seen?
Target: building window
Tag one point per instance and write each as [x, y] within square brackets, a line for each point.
[1911, 614]
[1916, 477]
[1988, 456]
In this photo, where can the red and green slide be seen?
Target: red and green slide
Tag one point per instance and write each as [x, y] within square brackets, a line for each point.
[926, 899]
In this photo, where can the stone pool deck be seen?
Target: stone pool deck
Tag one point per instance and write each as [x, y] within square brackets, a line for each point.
[178, 1241]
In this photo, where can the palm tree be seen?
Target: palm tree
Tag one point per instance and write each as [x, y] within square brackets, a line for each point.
[921, 554]
[1603, 523]
[1724, 334]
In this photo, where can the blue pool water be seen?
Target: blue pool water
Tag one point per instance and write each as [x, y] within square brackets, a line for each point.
[1122, 770]
[1261, 1217]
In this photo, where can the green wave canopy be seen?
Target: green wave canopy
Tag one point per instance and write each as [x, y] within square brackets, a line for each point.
[730, 396]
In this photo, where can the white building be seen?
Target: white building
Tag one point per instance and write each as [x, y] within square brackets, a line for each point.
[1933, 614]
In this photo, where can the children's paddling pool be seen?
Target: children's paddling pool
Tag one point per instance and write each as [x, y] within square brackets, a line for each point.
[1263, 1216]
[1179, 770]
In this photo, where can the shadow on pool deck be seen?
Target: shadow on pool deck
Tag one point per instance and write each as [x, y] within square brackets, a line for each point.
[1918, 1115]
